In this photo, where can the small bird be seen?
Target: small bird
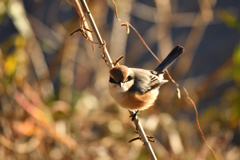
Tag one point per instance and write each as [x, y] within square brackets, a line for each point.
[137, 89]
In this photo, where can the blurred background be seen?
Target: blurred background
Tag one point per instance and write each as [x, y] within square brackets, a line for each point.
[54, 98]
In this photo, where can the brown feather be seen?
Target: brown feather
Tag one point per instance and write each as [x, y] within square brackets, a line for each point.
[119, 73]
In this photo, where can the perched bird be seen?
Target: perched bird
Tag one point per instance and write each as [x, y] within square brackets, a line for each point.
[137, 89]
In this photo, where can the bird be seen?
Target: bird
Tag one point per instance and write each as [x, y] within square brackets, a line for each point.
[137, 89]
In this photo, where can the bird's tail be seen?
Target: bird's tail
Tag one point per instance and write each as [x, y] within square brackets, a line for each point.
[172, 56]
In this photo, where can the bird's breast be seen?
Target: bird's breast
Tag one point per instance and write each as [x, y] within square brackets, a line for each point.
[135, 100]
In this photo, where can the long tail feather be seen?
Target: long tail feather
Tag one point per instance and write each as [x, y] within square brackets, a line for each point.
[172, 56]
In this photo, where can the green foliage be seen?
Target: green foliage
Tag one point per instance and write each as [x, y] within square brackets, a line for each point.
[230, 19]
[236, 65]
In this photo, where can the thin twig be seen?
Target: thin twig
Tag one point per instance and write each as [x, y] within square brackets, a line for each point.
[111, 65]
[96, 31]
[143, 136]
[127, 24]
[83, 23]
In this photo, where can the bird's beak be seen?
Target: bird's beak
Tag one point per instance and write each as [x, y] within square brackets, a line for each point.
[120, 84]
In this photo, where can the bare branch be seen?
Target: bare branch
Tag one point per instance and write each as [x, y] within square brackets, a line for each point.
[84, 25]
[143, 137]
[98, 35]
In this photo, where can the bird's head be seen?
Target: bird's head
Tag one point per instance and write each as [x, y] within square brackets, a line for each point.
[120, 74]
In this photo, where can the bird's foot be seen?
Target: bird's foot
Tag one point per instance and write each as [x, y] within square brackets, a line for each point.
[134, 115]
[150, 139]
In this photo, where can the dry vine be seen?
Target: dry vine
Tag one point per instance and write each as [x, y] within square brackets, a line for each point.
[124, 23]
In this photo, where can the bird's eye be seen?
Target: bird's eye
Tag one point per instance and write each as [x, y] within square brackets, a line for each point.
[129, 78]
[112, 80]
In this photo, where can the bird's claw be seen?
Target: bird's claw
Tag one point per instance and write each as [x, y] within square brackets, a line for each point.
[133, 116]
[150, 139]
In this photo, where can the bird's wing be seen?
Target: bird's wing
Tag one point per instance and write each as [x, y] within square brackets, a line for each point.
[145, 81]
[154, 82]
